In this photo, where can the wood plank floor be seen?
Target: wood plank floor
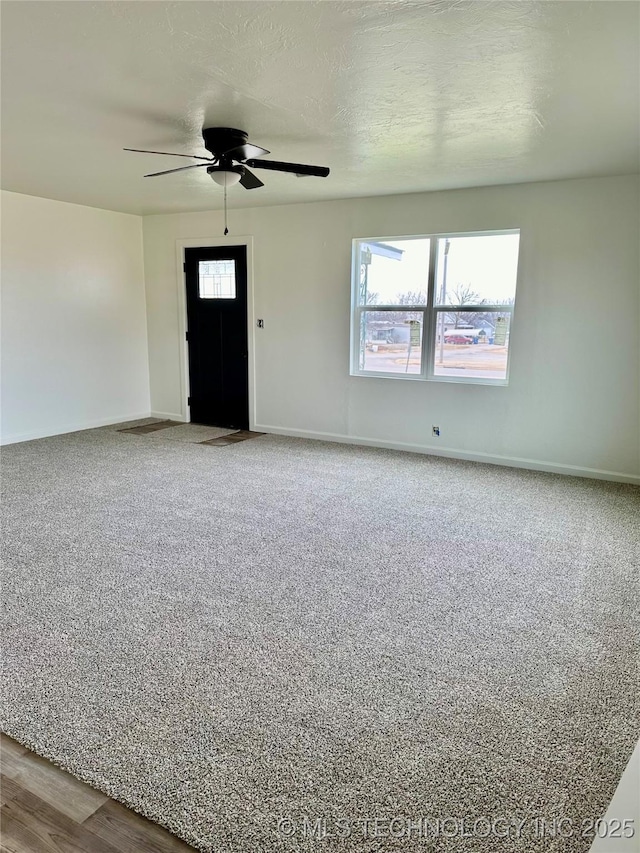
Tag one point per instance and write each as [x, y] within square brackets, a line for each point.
[45, 810]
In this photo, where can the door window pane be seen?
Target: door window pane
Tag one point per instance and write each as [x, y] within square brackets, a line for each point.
[391, 341]
[217, 279]
[472, 344]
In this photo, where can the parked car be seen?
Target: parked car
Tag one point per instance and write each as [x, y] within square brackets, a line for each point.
[457, 339]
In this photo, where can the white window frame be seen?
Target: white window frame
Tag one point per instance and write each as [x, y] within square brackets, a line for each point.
[429, 311]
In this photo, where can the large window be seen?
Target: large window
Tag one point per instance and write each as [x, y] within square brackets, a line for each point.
[434, 307]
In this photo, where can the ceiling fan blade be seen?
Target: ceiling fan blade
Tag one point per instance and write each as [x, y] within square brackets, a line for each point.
[296, 168]
[169, 154]
[181, 169]
[241, 152]
[249, 181]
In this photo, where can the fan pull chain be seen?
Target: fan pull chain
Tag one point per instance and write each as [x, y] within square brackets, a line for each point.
[226, 230]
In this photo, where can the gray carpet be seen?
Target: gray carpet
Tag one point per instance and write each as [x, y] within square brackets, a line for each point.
[240, 644]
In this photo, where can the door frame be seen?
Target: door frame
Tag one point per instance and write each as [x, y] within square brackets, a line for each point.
[207, 243]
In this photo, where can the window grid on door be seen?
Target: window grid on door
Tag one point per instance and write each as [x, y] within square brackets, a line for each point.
[217, 279]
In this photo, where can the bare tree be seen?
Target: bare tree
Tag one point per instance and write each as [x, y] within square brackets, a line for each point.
[409, 298]
[464, 294]
[412, 297]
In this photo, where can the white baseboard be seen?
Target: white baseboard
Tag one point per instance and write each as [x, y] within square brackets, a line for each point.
[48, 432]
[454, 453]
[168, 416]
[447, 452]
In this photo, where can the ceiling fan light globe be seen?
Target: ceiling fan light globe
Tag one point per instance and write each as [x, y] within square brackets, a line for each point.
[226, 179]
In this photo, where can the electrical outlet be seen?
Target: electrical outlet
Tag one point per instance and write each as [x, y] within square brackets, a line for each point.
[260, 324]
[436, 431]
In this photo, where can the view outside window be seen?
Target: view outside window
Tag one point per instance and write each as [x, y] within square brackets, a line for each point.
[474, 296]
[392, 341]
[447, 319]
[392, 276]
[476, 347]
[217, 279]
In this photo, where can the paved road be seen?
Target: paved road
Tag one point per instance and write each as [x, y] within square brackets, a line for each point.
[459, 360]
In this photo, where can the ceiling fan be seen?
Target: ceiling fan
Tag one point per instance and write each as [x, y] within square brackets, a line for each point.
[232, 155]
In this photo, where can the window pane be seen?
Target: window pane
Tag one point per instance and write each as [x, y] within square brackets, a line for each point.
[217, 279]
[394, 272]
[472, 270]
[391, 341]
[471, 344]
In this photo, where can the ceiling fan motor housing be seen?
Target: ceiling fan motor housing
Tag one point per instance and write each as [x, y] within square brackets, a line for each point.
[218, 140]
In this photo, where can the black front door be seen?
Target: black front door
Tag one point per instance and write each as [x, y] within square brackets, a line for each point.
[216, 281]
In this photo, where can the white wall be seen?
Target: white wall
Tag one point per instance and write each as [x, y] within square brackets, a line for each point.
[74, 340]
[573, 400]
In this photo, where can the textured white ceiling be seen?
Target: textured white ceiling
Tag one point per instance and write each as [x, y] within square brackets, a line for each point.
[394, 97]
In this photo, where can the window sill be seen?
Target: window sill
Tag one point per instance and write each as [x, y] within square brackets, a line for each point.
[455, 380]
